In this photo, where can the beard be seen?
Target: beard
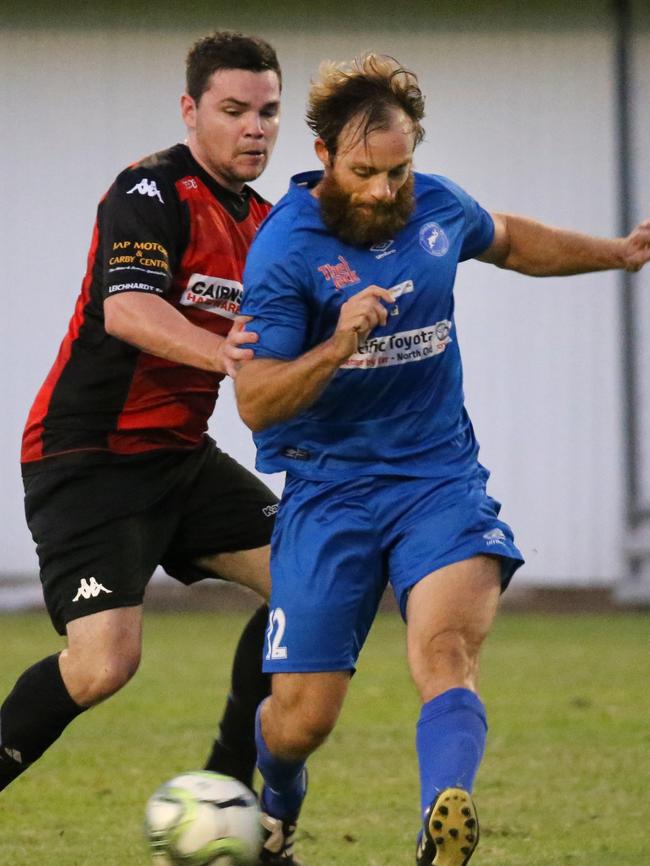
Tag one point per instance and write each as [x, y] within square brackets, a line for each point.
[370, 224]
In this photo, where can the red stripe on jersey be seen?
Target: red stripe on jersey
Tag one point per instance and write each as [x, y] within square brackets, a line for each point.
[167, 407]
[32, 444]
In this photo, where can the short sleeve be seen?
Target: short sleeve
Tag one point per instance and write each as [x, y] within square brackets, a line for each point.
[274, 295]
[140, 227]
[478, 231]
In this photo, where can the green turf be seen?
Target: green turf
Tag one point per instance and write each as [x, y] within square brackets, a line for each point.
[564, 781]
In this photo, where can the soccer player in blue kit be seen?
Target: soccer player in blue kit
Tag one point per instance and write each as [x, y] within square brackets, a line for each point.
[356, 392]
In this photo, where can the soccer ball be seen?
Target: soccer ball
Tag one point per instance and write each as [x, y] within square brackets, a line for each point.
[203, 819]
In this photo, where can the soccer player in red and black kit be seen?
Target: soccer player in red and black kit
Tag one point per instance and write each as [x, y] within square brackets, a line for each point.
[119, 473]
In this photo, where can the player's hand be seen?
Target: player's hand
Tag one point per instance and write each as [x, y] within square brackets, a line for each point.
[636, 252]
[360, 314]
[231, 349]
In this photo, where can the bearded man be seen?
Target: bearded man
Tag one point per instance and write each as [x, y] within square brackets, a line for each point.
[356, 392]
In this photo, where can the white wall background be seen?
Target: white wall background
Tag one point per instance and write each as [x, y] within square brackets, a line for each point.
[520, 111]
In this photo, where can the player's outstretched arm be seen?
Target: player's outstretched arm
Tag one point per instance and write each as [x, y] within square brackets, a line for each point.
[270, 391]
[154, 326]
[538, 250]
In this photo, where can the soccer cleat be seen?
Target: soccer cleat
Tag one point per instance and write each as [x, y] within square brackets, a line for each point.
[278, 837]
[450, 832]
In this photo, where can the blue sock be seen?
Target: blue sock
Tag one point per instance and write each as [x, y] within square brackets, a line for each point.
[450, 742]
[284, 781]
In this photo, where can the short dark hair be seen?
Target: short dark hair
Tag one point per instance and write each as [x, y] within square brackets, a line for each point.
[370, 88]
[227, 49]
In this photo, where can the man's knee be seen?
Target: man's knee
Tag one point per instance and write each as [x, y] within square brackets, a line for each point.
[309, 728]
[92, 680]
[298, 719]
[445, 659]
[103, 654]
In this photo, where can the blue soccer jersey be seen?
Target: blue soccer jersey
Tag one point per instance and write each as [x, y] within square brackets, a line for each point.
[396, 406]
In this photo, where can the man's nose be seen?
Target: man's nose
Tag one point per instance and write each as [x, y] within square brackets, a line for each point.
[254, 126]
[380, 189]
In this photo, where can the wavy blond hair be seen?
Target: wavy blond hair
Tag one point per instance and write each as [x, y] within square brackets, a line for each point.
[369, 88]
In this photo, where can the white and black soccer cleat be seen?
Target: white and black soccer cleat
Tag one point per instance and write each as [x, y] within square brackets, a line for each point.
[450, 833]
[278, 838]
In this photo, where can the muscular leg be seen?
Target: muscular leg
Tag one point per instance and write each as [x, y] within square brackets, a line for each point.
[449, 613]
[233, 751]
[292, 723]
[102, 655]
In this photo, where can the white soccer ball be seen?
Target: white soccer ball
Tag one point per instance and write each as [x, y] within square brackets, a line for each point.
[203, 819]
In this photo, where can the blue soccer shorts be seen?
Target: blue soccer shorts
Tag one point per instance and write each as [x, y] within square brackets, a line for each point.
[336, 545]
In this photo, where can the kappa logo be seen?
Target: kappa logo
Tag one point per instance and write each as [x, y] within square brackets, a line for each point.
[14, 754]
[433, 240]
[90, 589]
[147, 187]
[341, 274]
[495, 536]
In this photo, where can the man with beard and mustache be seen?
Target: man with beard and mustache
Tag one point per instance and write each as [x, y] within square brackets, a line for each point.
[356, 391]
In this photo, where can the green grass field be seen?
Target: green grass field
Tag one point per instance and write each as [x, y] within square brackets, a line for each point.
[564, 781]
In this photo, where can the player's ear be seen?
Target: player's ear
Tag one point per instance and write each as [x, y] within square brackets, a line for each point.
[322, 152]
[188, 111]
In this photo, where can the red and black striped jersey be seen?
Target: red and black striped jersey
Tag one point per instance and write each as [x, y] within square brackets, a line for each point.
[164, 227]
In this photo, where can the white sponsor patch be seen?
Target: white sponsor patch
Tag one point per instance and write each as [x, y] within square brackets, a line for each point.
[400, 289]
[404, 347]
[213, 294]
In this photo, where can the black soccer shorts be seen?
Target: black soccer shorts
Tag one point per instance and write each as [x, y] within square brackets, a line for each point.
[101, 530]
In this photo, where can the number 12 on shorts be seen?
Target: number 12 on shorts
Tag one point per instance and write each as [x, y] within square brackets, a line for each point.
[275, 634]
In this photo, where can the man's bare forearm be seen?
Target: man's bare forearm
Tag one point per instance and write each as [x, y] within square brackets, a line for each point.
[539, 250]
[154, 326]
[270, 391]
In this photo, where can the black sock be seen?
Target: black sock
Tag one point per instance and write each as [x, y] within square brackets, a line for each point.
[32, 717]
[234, 751]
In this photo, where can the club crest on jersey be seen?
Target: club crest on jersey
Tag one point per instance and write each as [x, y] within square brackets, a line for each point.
[340, 274]
[213, 294]
[433, 240]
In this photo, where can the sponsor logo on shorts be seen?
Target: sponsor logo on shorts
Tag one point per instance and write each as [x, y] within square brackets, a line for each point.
[495, 536]
[433, 240]
[270, 510]
[340, 274]
[214, 295]
[403, 347]
[385, 248]
[14, 754]
[146, 187]
[90, 589]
